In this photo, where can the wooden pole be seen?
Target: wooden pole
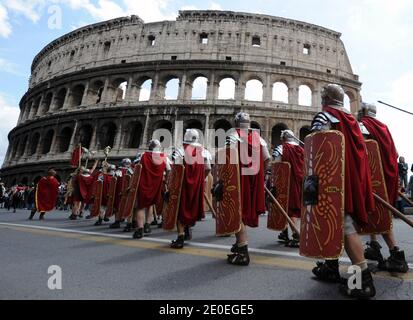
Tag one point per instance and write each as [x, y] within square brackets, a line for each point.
[214, 214]
[290, 222]
[393, 210]
[406, 198]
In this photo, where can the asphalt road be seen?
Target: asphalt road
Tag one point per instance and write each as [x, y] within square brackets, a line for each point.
[99, 263]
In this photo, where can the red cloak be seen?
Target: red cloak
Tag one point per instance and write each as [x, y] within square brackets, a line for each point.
[294, 155]
[252, 186]
[358, 190]
[191, 207]
[86, 187]
[380, 132]
[46, 193]
[150, 184]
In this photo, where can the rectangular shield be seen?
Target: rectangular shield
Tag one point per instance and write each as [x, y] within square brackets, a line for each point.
[280, 188]
[97, 201]
[172, 202]
[322, 215]
[380, 221]
[111, 197]
[125, 185]
[131, 192]
[228, 204]
[160, 203]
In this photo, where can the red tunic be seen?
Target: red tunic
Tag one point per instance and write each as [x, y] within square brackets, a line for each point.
[380, 132]
[191, 207]
[294, 155]
[358, 190]
[150, 184]
[46, 193]
[252, 185]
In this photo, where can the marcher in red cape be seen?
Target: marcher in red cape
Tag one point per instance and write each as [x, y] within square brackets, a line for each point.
[378, 131]
[105, 175]
[291, 152]
[121, 187]
[358, 190]
[154, 164]
[252, 175]
[82, 184]
[47, 191]
[197, 166]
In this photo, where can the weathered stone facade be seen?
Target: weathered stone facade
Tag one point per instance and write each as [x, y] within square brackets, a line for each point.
[74, 93]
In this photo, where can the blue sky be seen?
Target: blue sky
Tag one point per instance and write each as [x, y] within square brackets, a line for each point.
[376, 33]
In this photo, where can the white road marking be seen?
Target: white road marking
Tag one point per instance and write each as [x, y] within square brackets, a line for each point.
[166, 241]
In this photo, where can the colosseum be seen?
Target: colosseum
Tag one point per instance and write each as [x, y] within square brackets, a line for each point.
[115, 82]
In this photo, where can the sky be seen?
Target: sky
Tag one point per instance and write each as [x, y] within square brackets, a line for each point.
[376, 33]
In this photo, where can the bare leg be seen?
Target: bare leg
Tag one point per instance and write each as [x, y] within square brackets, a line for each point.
[140, 214]
[149, 215]
[242, 236]
[355, 251]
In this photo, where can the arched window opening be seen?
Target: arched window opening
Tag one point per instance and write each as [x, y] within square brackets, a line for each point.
[135, 135]
[107, 136]
[60, 99]
[226, 89]
[221, 128]
[305, 96]
[47, 141]
[34, 143]
[280, 92]
[85, 135]
[145, 92]
[121, 91]
[254, 90]
[276, 134]
[64, 140]
[199, 88]
[172, 89]
[77, 95]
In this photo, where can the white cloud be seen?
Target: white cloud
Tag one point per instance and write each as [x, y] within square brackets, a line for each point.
[5, 27]
[104, 10]
[215, 6]
[212, 6]
[10, 67]
[11, 113]
[28, 8]
[149, 11]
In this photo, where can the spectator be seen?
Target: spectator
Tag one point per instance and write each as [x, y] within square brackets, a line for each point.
[403, 168]
[2, 195]
[31, 198]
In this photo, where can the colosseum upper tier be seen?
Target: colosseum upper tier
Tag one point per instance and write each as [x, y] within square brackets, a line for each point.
[112, 83]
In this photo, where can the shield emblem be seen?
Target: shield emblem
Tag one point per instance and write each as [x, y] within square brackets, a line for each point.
[322, 215]
[380, 221]
[228, 193]
[173, 198]
[130, 197]
[97, 201]
[111, 196]
[280, 188]
[125, 185]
